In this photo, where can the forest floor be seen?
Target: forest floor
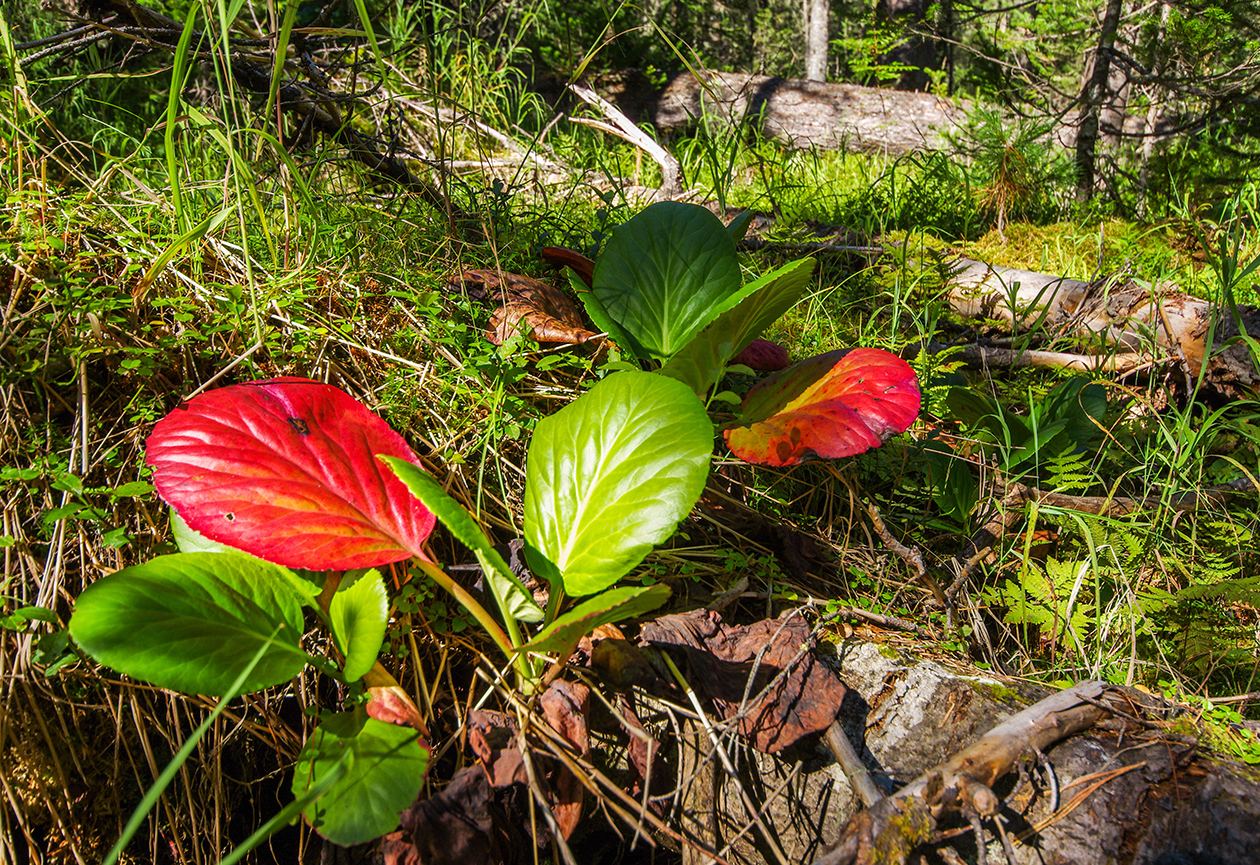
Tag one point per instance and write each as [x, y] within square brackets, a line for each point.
[125, 294]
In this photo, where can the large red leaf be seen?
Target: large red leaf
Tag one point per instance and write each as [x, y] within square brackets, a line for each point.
[286, 469]
[834, 405]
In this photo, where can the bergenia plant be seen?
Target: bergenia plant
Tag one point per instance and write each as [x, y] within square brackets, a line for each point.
[667, 289]
[290, 473]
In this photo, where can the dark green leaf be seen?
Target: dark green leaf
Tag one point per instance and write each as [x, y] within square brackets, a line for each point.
[737, 228]
[192, 621]
[52, 648]
[665, 274]
[601, 318]
[1081, 404]
[132, 489]
[610, 476]
[384, 772]
[19, 617]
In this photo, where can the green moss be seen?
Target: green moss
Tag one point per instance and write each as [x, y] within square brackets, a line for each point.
[996, 690]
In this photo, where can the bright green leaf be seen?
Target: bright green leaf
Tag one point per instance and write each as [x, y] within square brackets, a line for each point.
[384, 772]
[132, 490]
[359, 613]
[191, 622]
[611, 475]
[701, 361]
[516, 600]
[614, 605]
[188, 540]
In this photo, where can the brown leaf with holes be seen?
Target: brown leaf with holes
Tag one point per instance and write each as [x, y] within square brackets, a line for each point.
[545, 313]
[804, 694]
[566, 705]
[621, 666]
[648, 765]
[492, 737]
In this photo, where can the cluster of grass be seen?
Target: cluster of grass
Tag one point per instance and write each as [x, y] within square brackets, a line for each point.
[179, 262]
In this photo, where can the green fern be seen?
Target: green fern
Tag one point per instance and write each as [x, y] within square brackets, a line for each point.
[1069, 472]
[1040, 597]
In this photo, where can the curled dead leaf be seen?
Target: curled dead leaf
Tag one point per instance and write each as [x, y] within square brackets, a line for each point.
[544, 312]
[388, 702]
[468, 821]
[792, 694]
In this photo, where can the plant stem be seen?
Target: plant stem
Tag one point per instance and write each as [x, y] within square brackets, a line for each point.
[469, 603]
[152, 795]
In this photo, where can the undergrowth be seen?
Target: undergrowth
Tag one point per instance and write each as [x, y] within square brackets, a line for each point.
[156, 266]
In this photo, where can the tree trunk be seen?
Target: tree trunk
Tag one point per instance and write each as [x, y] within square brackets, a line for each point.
[915, 51]
[816, 15]
[1092, 95]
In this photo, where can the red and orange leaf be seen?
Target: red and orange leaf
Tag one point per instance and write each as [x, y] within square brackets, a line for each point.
[286, 469]
[834, 405]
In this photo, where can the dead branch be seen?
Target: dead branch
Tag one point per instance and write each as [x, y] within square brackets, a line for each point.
[982, 356]
[1110, 315]
[893, 827]
[912, 556]
[313, 105]
[622, 127]
[851, 764]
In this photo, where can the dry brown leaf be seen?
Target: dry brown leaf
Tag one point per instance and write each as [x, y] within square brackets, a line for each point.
[720, 658]
[544, 312]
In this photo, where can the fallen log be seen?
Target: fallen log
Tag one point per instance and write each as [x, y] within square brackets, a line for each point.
[1107, 317]
[809, 114]
[1103, 776]
[1152, 797]
[1116, 326]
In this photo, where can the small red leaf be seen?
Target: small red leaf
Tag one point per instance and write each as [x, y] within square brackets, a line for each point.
[286, 469]
[559, 258]
[763, 356]
[834, 405]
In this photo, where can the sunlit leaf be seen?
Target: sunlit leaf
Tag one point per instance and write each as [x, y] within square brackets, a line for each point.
[610, 475]
[665, 274]
[835, 405]
[700, 362]
[286, 469]
[192, 621]
[188, 541]
[384, 772]
[359, 613]
[612, 606]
